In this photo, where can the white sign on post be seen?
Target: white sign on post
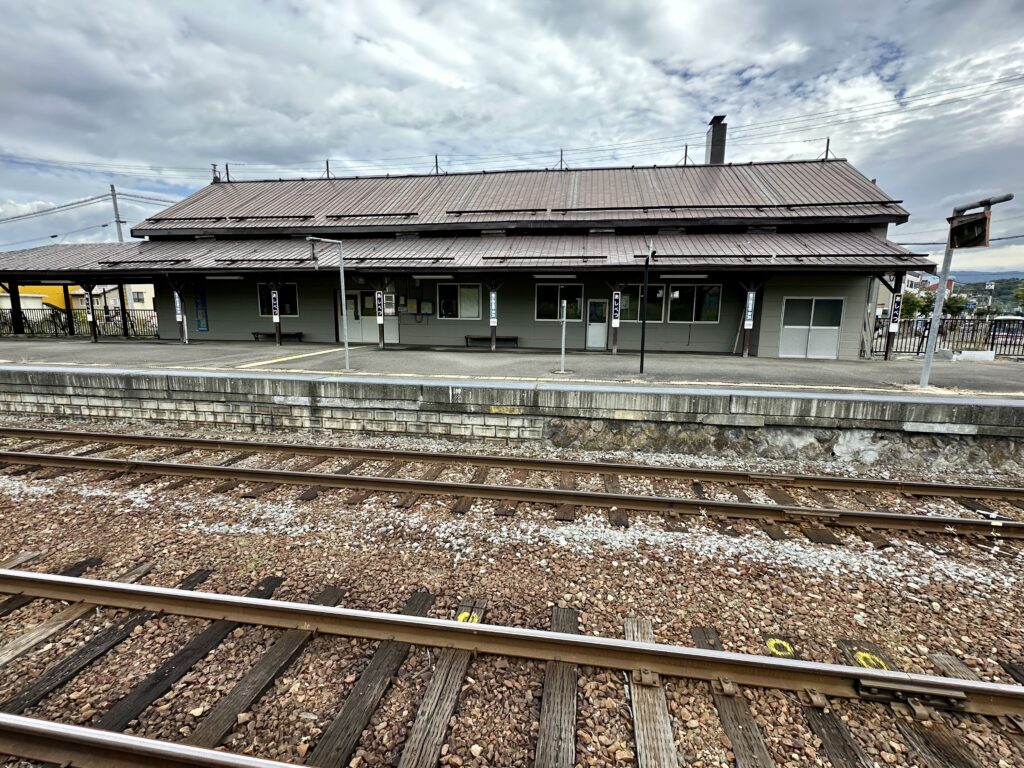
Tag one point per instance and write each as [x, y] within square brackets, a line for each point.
[275, 307]
[894, 318]
[494, 308]
[616, 308]
[380, 307]
[990, 286]
[748, 315]
[178, 316]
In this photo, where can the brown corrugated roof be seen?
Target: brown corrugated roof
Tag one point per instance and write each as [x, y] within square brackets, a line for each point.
[787, 191]
[849, 251]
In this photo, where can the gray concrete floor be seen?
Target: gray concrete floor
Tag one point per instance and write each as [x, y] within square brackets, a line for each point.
[1003, 377]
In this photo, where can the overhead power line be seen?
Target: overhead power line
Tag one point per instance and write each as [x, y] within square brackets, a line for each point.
[943, 242]
[57, 208]
[59, 234]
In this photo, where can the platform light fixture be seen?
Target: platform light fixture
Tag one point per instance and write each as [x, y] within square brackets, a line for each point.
[225, 277]
[555, 277]
[342, 298]
[685, 277]
[433, 277]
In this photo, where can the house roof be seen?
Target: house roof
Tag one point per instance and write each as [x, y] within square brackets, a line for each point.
[844, 251]
[818, 190]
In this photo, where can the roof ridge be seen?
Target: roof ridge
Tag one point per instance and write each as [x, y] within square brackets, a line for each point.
[485, 172]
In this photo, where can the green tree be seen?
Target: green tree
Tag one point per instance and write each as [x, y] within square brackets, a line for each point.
[927, 303]
[1018, 294]
[954, 305]
[910, 305]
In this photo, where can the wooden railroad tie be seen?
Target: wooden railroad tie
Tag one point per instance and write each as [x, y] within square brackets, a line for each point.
[556, 739]
[423, 747]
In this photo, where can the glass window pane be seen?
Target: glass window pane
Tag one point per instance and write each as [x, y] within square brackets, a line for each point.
[708, 302]
[448, 301]
[655, 302]
[597, 312]
[630, 309]
[547, 302]
[469, 302]
[263, 289]
[828, 313]
[797, 313]
[680, 306]
[288, 299]
[573, 297]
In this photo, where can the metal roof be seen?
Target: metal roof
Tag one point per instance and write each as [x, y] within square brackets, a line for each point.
[847, 251]
[785, 191]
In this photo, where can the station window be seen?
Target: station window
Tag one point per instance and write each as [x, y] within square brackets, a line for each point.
[138, 297]
[287, 298]
[458, 301]
[630, 311]
[550, 297]
[694, 303]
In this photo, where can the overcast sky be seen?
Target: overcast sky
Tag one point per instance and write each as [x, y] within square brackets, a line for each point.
[158, 91]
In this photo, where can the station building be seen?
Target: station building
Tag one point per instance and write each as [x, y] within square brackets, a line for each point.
[808, 239]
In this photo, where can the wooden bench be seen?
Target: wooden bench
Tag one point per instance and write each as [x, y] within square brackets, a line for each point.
[499, 341]
[264, 335]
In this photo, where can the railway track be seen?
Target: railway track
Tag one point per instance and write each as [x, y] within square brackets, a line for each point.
[932, 712]
[979, 511]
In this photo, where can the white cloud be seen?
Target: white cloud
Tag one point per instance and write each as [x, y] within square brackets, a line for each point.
[186, 84]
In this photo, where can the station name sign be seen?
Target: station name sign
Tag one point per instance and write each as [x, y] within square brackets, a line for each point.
[275, 307]
[616, 308]
[748, 313]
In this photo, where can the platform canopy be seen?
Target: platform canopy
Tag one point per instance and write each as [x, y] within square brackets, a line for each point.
[814, 251]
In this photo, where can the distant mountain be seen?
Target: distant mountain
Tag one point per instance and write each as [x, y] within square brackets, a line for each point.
[967, 276]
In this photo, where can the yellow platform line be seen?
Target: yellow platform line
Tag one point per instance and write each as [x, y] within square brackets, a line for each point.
[290, 357]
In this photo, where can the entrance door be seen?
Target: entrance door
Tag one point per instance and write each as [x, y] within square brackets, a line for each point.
[597, 323]
[368, 320]
[810, 328]
[355, 328]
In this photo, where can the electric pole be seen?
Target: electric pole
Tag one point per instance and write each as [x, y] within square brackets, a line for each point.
[117, 214]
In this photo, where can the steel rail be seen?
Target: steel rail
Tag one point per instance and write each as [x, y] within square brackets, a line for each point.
[75, 745]
[824, 482]
[663, 505]
[973, 696]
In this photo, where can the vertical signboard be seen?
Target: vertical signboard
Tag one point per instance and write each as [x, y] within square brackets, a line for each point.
[616, 308]
[894, 316]
[748, 314]
[202, 316]
[379, 303]
[88, 306]
[494, 308]
[275, 307]
[177, 308]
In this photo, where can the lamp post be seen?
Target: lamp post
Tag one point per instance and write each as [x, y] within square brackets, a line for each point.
[974, 237]
[343, 299]
[643, 303]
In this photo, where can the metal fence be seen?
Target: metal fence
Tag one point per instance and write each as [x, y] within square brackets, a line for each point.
[961, 334]
[141, 323]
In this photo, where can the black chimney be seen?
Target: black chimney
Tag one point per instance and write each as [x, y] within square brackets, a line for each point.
[714, 142]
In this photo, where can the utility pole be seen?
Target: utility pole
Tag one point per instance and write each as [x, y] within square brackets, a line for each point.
[437, 167]
[828, 142]
[686, 154]
[561, 159]
[327, 164]
[117, 214]
[973, 236]
[227, 172]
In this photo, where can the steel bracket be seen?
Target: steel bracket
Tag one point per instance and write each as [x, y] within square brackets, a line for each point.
[725, 686]
[917, 698]
[813, 698]
[646, 677]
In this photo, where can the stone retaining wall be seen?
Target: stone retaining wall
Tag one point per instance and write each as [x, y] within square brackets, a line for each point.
[933, 432]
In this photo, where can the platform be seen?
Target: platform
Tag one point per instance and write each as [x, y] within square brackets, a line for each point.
[1002, 378]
